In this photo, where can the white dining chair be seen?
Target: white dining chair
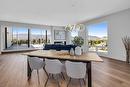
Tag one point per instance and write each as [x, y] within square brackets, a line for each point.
[76, 70]
[36, 64]
[53, 67]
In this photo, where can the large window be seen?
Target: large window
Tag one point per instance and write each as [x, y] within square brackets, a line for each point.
[20, 38]
[24, 38]
[97, 37]
[39, 37]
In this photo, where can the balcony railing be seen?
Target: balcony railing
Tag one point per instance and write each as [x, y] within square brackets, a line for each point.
[98, 48]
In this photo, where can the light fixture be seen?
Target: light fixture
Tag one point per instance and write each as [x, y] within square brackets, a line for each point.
[74, 27]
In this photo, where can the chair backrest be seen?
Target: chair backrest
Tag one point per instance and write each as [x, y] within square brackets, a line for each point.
[53, 66]
[35, 63]
[75, 70]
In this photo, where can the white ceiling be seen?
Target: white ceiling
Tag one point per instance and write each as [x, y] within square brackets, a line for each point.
[58, 12]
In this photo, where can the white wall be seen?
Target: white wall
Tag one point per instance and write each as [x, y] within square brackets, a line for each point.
[2, 38]
[9, 36]
[118, 27]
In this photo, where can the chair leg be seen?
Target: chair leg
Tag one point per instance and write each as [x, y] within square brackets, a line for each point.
[53, 77]
[84, 81]
[45, 71]
[47, 80]
[80, 83]
[38, 76]
[57, 81]
[69, 82]
[62, 75]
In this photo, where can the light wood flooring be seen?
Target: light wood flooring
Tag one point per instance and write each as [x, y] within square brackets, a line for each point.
[13, 73]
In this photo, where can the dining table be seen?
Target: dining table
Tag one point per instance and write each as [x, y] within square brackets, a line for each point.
[87, 58]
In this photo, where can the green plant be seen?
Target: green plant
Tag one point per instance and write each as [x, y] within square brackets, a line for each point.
[39, 41]
[79, 41]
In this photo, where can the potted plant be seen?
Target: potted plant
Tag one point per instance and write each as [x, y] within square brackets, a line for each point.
[78, 41]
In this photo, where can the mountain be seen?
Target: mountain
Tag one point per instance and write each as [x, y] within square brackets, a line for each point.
[96, 38]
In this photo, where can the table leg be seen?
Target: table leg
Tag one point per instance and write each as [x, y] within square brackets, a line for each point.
[89, 74]
[29, 71]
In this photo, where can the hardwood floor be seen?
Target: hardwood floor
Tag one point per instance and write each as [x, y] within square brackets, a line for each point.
[13, 73]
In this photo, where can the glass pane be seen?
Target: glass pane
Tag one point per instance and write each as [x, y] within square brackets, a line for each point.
[17, 38]
[20, 38]
[38, 38]
[98, 37]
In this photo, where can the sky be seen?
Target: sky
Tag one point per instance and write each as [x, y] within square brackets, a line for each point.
[22, 30]
[19, 30]
[99, 30]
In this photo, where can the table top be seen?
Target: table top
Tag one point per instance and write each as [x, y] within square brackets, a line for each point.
[64, 55]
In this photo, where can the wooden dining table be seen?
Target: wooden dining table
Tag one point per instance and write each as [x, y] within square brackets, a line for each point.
[87, 58]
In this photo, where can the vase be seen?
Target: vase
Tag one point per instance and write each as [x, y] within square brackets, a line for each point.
[78, 50]
[72, 51]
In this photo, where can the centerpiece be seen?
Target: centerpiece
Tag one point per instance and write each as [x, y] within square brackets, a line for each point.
[78, 41]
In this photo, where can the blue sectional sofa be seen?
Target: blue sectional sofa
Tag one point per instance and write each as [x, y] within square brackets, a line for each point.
[58, 47]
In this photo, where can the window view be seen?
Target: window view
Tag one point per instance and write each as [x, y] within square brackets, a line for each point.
[24, 38]
[97, 37]
[39, 37]
[19, 38]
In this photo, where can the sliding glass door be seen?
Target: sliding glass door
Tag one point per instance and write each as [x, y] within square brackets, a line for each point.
[19, 38]
[38, 38]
